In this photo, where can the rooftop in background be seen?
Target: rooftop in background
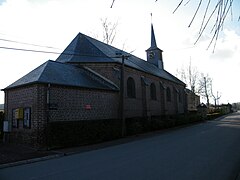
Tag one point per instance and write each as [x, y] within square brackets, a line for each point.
[1, 107]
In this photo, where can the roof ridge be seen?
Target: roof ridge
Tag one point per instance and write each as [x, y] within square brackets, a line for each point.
[174, 76]
[63, 74]
[46, 64]
[87, 38]
[110, 83]
[42, 67]
[100, 42]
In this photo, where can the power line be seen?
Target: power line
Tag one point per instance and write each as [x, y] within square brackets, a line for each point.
[19, 42]
[29, 50]
[52, 52]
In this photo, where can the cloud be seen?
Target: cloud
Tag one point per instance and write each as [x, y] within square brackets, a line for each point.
[2, 1]
[223, 54]
[227, 46]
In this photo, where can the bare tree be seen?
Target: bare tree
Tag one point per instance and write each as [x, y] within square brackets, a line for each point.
[205, 86]
[190, 76]
[109, 30]
[216, 97]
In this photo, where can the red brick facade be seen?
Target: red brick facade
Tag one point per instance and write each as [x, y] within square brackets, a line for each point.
[134, 107]
[33, 97]
[55, 103]
[49, 102]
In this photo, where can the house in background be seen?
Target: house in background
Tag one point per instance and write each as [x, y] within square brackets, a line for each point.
[83, 85]
[193, 101]
[1, 107]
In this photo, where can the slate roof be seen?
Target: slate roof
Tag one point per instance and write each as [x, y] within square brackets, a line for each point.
[84, 49]
[64, 74]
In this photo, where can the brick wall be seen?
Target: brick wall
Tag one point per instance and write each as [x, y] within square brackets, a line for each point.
[134, 107]
[53, 104]
[70, 104]
[110, 71]
[33, 97]
[74, 104]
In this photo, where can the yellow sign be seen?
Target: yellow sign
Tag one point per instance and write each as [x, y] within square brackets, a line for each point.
[19, 113]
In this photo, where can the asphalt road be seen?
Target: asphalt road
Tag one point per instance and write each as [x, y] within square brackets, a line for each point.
[206, 151]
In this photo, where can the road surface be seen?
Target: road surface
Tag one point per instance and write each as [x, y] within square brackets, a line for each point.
[205, 151]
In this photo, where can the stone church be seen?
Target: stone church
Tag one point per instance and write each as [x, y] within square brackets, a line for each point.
[84, 84]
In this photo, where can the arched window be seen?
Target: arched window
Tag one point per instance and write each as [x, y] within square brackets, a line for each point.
[153, 91]
[131, 92]
[168, 94]
[180, 96]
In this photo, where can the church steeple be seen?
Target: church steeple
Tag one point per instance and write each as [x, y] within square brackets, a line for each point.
[153, 40]
[154, 54]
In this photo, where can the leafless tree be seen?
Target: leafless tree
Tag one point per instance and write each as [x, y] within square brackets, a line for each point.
[190, 76]
[109, 30]
[216, 97]
[205, 86]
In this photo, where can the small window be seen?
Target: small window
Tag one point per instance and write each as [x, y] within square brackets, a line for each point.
[168, 94]
[131, 92]
[153, 91]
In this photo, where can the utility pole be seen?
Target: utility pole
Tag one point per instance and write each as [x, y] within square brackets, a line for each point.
[122, 97]
[122, 113]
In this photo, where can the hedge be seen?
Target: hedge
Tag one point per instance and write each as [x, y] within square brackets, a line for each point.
[75, 133]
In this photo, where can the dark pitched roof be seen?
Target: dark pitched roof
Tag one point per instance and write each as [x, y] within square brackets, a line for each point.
[84, 49]
[64, 74]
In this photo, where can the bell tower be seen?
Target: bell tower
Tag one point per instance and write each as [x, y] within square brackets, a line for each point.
[154, 54]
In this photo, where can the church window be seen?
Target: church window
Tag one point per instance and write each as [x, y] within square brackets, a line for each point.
[131, 92]
[180, 96]
[153, 91]
[168, 94]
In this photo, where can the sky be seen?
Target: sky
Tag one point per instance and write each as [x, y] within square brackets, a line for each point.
[50, 25]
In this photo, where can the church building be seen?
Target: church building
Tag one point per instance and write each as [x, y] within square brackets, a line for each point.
[84, 84]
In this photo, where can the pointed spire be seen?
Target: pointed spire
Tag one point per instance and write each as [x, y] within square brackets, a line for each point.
[153, 40]
[154, 54]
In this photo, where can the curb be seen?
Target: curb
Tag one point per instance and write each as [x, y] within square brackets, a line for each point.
[93, 147]
[104, 144]
[28, 161]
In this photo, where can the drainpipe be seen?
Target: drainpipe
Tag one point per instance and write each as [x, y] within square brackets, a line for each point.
[6, 122]
[48, 95]
[47, 114]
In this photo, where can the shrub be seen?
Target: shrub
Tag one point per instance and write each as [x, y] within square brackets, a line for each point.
[73, 133]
